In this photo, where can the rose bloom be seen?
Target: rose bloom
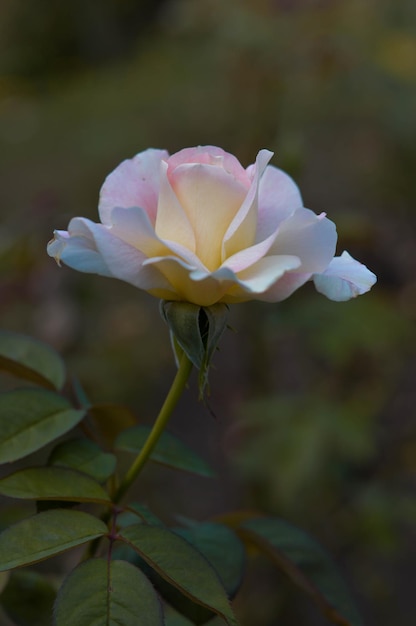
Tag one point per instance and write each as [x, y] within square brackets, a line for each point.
[198, 227]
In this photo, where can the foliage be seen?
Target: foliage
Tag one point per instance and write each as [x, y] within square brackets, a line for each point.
[195, 569]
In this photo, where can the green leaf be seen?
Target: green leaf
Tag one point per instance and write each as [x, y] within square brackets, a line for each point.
[306, 564]
[176, 561]
[109, 420]
[101, 594]
[4, 579]
[135, 511]
[46, 534]
[31, 359]
[52, 483]
[28, 599]
[222, 549]
[173, 618]
[85, 456]
[30, 419]
[168, 450]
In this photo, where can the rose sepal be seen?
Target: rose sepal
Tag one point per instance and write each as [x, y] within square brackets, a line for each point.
[195, 330]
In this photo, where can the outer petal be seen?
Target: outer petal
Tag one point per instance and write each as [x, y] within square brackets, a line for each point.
[344, 278]
[203, 288]
[308, 236]
[77, 248]
[258, 278]
[89, 247]
[211, 197]
[278, 198]
[127, 262]
[134, 183]
[283, 288]
[241, 233]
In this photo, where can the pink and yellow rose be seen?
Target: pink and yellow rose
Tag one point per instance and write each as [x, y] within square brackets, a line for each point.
[198, 227]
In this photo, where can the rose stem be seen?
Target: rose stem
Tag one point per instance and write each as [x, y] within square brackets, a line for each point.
[175, 392]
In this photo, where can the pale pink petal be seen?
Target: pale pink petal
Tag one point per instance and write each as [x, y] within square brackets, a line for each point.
[127, 262]
[77, 249]
[243, 259]
[308, 236]
[193, 285]
[211, 198]
[90, 247]
[242, 230]
[278, 198]
[134, 183]
[344, 278]
[172, 223]
[258, 278]
[284, 287]
[210, 155]
[133, 227]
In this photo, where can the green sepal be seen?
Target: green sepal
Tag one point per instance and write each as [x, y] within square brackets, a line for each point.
[197, 331]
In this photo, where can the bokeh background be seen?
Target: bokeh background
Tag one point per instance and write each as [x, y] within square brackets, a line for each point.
[312, 406]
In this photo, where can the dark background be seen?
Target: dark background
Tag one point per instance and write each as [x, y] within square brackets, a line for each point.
[313, 400]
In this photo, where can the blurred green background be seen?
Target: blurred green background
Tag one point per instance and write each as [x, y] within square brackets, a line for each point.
[313, 401]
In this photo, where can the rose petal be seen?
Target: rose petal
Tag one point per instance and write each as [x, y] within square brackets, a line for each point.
[258, 278]
[344, 278]
[241, 233]
[211, 198]
[243, 259]
[308, 236]
[278, 198]
[193, 285]
[134, 183]
[172, 223]
[133, 227]
[284, 287]
[77, 248]
[210, 155]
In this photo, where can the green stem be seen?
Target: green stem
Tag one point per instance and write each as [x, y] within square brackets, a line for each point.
[175, 392]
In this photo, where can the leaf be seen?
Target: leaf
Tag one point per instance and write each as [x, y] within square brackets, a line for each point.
[85, 456]
[107, 594]
[52, 483]
[306, 564]
[4, 579]
[31, 359]
[222, 549]
[30, 419]
[135, 511]
[46, 534]
[110, 419]
[177, 562]
[168, 451]
[28, 599]
[173, 618]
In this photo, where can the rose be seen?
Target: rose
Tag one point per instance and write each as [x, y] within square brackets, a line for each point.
[198, 227]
